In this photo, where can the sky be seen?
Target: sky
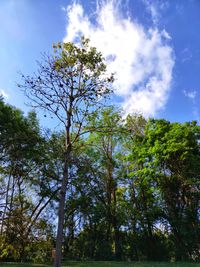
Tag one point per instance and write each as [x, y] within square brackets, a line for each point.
[152, 46]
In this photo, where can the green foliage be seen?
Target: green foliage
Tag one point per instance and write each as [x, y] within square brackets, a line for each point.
[167, 173]
[133, 186]
[22, 195]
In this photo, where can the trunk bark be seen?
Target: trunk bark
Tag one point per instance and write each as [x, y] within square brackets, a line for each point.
[6, 204]
[116, 228]
[63, 190]
[61, 212]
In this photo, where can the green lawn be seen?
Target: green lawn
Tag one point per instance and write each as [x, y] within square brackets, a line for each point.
[106, 264]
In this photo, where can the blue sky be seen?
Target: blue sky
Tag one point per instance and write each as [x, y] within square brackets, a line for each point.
[154, 46]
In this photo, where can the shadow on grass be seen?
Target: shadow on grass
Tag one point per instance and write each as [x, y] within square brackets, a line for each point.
[104, 264]
[128, 264]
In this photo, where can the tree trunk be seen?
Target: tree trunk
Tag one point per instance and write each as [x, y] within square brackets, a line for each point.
[61, 213]
[6, 204]
[63, 190]
[115, 226]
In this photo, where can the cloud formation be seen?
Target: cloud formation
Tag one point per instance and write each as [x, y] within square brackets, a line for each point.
[190, 94]
[141, 59]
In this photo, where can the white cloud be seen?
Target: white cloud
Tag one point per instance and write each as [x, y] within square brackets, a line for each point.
[166, 35]
[4, 94]
[186, 55]
[190, 94]
[64, 9]
[155, 7]
[152, 8]
[141, 59]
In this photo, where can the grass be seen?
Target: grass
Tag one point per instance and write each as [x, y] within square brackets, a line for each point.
[106, 264]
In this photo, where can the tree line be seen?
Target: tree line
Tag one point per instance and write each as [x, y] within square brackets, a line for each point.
[124, 187]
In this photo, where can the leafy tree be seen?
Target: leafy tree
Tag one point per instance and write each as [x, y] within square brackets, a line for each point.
[175, 148]
[106, 145]
[95, 190]
[18, 144]
[25, 179]
[69, 85]
[166, 168]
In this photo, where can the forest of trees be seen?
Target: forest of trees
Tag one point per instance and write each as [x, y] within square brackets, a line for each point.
[132, 184]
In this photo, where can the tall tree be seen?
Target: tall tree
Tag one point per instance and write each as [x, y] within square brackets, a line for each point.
[175, 151]
[106, 142]
[166, 171]
[20, 140]
[69, 85]
[18, 145]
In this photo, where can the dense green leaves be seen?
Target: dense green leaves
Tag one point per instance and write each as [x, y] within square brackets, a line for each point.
[24, 182]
